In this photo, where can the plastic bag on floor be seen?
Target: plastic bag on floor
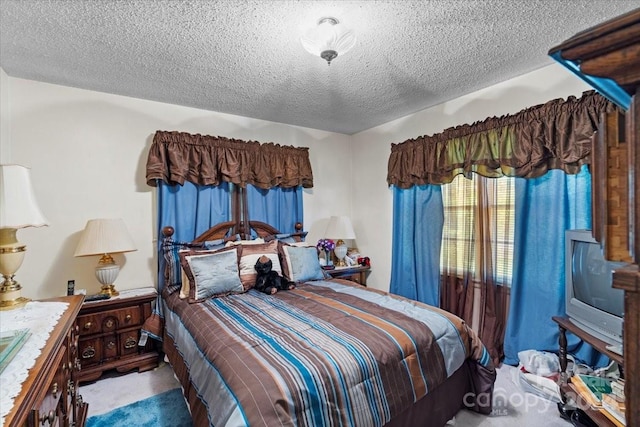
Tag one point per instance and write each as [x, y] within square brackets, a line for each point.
[539, 363]
[540, 386]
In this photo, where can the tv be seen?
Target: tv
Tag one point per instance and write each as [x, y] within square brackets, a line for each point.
[591, 302]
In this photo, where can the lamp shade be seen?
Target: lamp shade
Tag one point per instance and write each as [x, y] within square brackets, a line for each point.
[104, 236]
[339, 227]
[328, 39]
[18, 207]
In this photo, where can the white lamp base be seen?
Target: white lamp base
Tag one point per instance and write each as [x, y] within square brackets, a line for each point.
[107, 274]
[341, 251]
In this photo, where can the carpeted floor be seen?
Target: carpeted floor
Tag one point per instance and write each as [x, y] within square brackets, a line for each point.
[512, 406]
[166, 409]
[114, 390]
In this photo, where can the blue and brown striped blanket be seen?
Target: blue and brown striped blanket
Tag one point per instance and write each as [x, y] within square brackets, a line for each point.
[324, 354]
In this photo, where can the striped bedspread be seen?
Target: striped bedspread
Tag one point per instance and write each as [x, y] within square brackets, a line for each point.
[324, 354]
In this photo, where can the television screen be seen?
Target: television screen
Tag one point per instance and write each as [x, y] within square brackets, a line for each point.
[591, 300]
[592, 278]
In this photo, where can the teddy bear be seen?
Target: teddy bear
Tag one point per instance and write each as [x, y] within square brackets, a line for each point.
[269, 281]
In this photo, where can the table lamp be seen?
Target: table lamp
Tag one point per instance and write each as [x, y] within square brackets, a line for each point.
[18, 209]
[339, 228]
[105, 237]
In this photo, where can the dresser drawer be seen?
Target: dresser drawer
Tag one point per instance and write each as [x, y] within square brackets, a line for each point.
[110, 321]
[109, 347]
[129, 342]
[89, 324]
[90, 351]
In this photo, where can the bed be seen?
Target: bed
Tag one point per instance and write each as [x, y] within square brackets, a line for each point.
[329, 352]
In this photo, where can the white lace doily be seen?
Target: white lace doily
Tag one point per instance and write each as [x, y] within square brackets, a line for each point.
[40, 318]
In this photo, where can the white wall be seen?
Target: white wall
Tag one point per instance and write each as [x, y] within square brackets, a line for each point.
[87, 152]
[5, 115]
[373, 201]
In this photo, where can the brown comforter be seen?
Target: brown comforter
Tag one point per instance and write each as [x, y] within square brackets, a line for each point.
[326, 353]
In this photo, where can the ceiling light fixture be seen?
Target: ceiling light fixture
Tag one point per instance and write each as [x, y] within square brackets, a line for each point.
[328, 39]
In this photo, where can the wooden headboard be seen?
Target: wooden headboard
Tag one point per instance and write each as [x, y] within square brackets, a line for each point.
[230, 230]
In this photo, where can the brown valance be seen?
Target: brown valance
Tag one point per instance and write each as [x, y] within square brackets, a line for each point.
[176, 157]
[555, 135]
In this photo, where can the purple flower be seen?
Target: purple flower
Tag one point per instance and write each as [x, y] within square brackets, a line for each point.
[325, 245]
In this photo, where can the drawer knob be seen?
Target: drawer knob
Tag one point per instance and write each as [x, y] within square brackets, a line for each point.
[109, 323]
[127, 318]
[88, 352]
[54, 390]
[50, 417]
[130, 342]
[111, 345]
[87, 325]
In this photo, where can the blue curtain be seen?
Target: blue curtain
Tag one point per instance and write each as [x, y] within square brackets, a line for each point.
[418, 218]
[191, 210]
[545, 208]
[279, 207]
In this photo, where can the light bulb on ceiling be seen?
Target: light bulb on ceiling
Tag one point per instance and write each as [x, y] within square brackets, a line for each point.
[328, 39]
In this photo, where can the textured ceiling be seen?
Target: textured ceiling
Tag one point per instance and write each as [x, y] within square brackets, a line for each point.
[245, 58]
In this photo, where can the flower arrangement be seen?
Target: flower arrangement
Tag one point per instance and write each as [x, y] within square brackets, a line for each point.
[326, 245]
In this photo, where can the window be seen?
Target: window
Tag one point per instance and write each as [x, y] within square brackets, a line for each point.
[477, 238]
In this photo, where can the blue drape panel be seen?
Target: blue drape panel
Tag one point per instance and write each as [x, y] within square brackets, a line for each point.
[191, 210]
[279, 207]
[545, 208]
[418, 218]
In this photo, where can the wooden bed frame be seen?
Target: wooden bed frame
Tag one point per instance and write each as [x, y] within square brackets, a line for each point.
[230, 229]
[436, 408]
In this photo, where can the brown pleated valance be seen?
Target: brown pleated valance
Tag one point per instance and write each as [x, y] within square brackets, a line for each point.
[176, 157]
[555, 135]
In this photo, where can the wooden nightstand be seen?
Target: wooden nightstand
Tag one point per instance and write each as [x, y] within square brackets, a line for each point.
[356, 274]
[110, 332]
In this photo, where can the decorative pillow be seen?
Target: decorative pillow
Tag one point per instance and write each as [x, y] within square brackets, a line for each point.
[211, 274]
[248, 257]
[256, 241]
[211, 245]
[184, 289]
[172, 270]
[185, 285]
[289, 238]
[172, 265]
[301, 263]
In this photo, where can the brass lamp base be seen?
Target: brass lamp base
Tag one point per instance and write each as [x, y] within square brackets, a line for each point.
[109, 290]
[14, 303]
[10, 297]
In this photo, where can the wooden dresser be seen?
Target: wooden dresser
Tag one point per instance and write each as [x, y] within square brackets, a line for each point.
[49, 395]
[110, 332]
[612, 50]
